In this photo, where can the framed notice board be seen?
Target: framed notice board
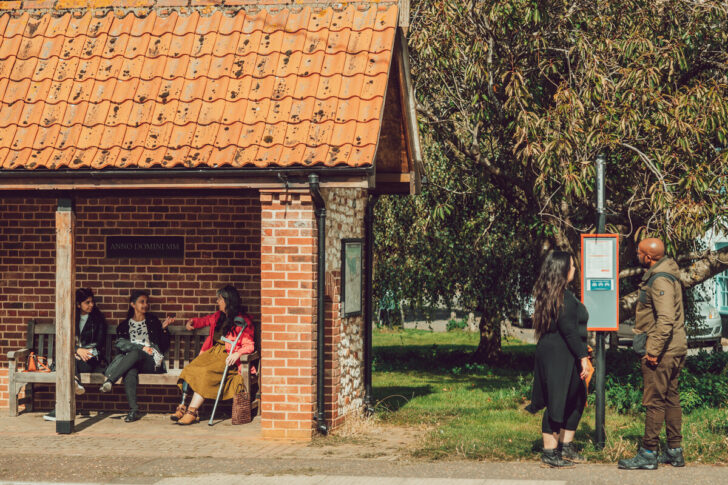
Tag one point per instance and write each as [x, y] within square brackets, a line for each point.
[600, 280]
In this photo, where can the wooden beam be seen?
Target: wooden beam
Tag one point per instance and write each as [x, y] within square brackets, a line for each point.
[393, 177]
[409, 109]
[404, 15]
[65, 328]
[50, 183]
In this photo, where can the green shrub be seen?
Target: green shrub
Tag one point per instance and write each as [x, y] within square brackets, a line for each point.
[703, 382]
[456, 324]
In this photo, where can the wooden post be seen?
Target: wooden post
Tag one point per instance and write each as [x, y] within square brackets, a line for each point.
[65, 328]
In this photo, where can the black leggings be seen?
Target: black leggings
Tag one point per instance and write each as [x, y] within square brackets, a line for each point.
[572, 414]
[132, 364]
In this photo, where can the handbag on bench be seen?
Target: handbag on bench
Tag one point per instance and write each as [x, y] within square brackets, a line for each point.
[36, 363]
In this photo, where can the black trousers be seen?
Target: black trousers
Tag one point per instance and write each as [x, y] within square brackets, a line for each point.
[132, 364]
[91, 365]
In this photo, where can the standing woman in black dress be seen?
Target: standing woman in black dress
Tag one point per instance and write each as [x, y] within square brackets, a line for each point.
[559, 320]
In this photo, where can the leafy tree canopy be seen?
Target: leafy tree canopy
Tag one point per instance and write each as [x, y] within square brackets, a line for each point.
[516, 98]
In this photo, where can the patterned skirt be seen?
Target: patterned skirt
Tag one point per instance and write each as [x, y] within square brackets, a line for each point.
[204, 374]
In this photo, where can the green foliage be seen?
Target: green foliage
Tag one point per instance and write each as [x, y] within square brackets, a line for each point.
[454, 324]
[703, 382]
[515, 100]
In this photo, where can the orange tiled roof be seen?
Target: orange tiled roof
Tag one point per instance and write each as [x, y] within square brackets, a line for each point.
[191, 87]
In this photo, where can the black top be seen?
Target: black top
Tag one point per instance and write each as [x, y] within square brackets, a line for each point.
[571, 325]
[94, 332]
[157, 335]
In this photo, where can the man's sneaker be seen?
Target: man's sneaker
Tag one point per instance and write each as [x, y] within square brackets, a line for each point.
[672, 456]
[568, 452]
[79, 388]
[552, 458]
[106, 386]
[644, 460]
[50, 416]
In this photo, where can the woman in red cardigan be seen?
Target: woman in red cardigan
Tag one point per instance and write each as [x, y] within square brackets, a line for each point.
[205, 372]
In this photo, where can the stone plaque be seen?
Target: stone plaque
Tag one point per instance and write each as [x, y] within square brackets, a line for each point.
[145, 247]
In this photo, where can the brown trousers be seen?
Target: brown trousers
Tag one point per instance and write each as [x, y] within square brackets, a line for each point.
[662, 401]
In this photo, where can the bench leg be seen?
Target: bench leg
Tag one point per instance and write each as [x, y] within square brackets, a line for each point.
[13, 398]
[29, 397]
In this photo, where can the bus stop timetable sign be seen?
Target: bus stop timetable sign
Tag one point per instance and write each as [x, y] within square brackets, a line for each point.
[600, 280]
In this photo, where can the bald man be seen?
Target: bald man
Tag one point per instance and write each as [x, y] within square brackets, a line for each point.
[661, 318]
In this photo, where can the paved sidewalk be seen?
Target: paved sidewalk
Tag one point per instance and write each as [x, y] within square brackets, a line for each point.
[154, 451]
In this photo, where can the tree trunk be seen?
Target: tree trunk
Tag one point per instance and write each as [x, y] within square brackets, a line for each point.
[702, 269]
[489, 348]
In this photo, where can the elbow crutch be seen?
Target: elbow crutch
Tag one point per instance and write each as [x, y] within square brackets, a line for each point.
[239, 322]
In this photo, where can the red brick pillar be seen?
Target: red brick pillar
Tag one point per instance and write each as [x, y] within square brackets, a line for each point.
[288, 309]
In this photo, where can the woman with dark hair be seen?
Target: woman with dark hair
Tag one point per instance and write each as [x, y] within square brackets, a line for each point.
[562, 363]
[143, 340]
[90, 339]
[217, 356]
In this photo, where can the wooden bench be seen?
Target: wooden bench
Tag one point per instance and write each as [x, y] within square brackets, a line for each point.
[184, 346]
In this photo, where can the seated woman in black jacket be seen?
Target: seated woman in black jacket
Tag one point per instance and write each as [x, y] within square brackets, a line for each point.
[143, 340]
[90, 339]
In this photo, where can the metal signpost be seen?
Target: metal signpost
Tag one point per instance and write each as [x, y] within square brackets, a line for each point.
[600, 293]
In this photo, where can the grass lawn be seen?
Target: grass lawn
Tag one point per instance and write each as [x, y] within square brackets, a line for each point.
[474, 411]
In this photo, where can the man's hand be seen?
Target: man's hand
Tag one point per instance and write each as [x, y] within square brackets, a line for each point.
[190, 325]
[650, 360]
[148, 350]
[84, 354]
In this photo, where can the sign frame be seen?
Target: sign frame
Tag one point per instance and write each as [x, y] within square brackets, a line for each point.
[352, 251]
[614, 280]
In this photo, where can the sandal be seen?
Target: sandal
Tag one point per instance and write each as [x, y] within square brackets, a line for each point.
[179, 412]
[190, 417]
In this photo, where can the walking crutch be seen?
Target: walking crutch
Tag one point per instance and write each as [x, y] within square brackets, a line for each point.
[240, 322]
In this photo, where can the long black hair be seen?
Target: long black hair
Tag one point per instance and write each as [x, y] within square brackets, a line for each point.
[83, 294]
[548, 292]
[135, 294]
[233, 307]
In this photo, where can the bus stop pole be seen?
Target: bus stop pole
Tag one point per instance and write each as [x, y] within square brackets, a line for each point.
[600, 351]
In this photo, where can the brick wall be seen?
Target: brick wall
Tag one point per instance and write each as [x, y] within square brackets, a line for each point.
[222, 246]
[288, 307]
[345, 209]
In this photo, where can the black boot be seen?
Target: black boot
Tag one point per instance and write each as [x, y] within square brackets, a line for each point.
[553, 459]
[644, 460]
[132, 416]
[568, 452]
[672, 456]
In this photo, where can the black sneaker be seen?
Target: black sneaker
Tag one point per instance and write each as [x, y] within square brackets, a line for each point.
[568, 452]
[644, 460]
[50, 416]
[552, 458]
[672, 456]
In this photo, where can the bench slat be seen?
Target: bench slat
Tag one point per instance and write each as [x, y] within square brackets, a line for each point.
[43, 377]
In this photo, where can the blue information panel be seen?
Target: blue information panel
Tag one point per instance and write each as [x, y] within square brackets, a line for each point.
[600, 280]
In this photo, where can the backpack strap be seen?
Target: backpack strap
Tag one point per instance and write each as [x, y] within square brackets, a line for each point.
[669, 276]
